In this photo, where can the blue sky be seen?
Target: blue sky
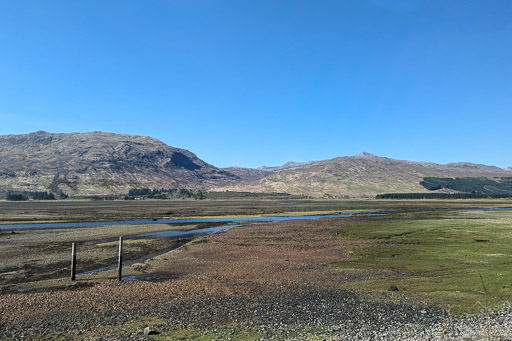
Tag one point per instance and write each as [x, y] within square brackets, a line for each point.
[253, 83]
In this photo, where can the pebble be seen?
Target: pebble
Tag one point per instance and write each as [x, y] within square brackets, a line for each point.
[342, 315]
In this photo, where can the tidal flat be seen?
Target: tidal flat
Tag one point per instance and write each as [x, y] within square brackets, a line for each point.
[325, 278]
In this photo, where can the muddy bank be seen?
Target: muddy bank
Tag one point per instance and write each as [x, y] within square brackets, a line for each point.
[268, 280]
[266, 276]
[42, 254]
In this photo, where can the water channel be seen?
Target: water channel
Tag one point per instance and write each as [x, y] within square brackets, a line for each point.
[178, 234]
[236, 219]
[178, 221]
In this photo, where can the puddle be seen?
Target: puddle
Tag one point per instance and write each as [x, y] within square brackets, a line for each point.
[111, 267]
[136, 277]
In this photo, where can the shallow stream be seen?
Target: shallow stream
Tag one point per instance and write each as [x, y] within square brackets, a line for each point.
[230, 220]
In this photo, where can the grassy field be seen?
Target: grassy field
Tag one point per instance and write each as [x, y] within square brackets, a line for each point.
[459, 260]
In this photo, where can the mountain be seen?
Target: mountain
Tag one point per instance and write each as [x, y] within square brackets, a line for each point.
[253, 174]
[363, 175]
[365, 154]
[287, 166]
[100, 163]
[247, 174]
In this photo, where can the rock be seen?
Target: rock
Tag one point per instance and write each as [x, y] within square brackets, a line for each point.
[150, 331]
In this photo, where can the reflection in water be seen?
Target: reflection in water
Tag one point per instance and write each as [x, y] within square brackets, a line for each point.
[170, 221]
[228, 220]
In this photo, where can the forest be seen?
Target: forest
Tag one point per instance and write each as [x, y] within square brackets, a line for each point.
[480, 185]
[465, 188]
[23, 196]
[162, 193]
[441, 196]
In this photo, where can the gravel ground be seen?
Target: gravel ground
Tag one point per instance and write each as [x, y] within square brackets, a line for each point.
[278, 313]
[273, 278]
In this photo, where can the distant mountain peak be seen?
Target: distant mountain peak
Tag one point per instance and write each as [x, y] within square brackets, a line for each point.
[364, 175]
[287, 166]
[40, 132]
[293, 164]
[365, 154]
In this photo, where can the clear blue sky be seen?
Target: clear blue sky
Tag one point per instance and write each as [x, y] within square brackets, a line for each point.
[253, 83]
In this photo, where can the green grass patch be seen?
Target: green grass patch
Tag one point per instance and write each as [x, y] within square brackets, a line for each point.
[461, 260]
[144, 321]
[309, 333]
[234, 333]
[192, 334]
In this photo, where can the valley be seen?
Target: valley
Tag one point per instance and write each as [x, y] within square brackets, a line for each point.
[193, 288]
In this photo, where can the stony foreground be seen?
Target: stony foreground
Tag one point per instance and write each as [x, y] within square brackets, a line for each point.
[263, 281]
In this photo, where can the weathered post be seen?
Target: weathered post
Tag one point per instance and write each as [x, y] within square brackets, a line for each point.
[120, 262]
[73, 261]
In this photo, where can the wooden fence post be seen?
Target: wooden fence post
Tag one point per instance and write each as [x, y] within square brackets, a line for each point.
[73, 261]
[120, 262]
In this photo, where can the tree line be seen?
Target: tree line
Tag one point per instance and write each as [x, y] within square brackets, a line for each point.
[163, 193]
[468, 188]
[441, 196]
[25, 195]
[238, 195]
[478, 185]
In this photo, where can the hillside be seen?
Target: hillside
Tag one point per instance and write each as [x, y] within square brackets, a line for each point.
[247, 174]
[253, 174]
[363, 175]
[100, 163]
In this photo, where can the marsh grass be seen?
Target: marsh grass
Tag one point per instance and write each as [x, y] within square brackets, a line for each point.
[222, 333]
[440, 256]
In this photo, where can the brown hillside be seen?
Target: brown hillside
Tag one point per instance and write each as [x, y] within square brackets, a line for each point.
[362, 176]
[100, 163]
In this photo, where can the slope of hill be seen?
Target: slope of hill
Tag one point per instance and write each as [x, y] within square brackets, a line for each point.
[363, 175]
[100, 163]
[287, 166]
[247, 174]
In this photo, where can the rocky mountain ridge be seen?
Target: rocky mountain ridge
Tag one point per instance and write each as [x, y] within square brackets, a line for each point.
[287, 166]
[99, 163]
[363, 175]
